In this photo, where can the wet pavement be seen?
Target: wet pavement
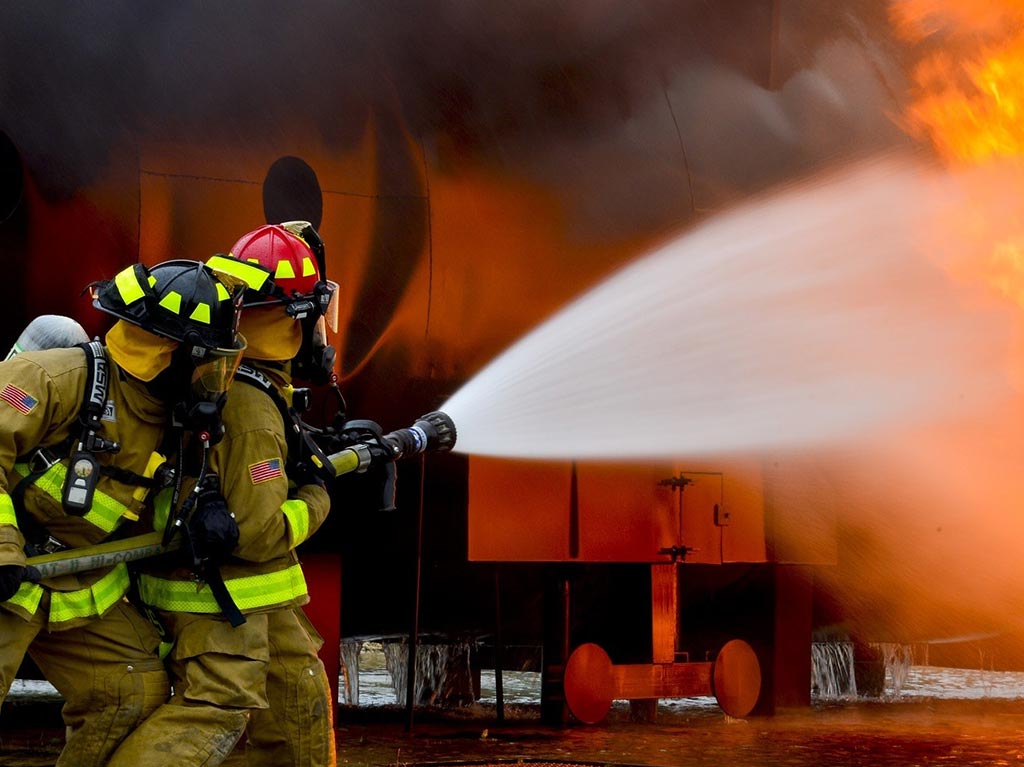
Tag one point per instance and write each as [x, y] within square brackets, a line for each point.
[865, 734]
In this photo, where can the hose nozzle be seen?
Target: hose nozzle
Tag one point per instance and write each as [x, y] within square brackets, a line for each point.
[433, 432]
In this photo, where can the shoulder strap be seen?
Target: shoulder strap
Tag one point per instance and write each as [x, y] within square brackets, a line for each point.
[83, 468]
[97, 378]
[302, 449]
[292, 427]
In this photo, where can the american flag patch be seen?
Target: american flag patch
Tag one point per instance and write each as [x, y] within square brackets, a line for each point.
[264, 470]
[21, 401]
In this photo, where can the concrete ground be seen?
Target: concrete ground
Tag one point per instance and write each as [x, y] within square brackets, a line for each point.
[866, 734]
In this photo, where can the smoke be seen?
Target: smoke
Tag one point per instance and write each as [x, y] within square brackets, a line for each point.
[547, 86]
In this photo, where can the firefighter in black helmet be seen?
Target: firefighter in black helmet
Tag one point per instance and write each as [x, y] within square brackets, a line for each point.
[186, 304]
[264, 677]
[80, 428]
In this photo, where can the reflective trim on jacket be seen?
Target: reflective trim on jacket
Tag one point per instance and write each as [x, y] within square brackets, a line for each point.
[251, 592]
[73, 606]
[106, 512]
[7, 516]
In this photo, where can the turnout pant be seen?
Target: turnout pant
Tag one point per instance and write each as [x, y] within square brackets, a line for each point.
[298, 728]
[107, 671]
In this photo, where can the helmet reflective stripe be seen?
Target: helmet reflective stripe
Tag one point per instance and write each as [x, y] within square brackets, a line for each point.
[172, 302]
[128, 286]
[284, 270]
[255, 277]
[201, 314]
[308, 267]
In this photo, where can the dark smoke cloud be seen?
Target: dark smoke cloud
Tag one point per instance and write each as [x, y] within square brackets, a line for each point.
[490, 79]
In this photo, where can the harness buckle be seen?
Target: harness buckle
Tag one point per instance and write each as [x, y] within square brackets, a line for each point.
[51, 545]
[41, 460]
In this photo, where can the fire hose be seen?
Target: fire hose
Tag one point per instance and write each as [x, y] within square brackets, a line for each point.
[433, 432]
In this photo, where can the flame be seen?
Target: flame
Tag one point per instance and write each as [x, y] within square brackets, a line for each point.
[967, 103]
[960, 487]
[968, 93]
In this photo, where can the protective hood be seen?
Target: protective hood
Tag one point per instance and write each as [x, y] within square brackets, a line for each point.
[270, 334]
[139, 352]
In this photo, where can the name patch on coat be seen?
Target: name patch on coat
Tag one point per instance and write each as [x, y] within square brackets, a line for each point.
[20, 400]
[264, 470]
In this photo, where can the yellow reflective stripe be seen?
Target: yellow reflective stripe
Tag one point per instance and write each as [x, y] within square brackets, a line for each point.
[253, 276]
[127, 283]
[7, 516]
[249, 592]
[307, 267]
[284, 269]
[297, 513]
[201, 313]
[172, 301]
[106, 512]
[162, 508]
[91, 601]
[27, 597]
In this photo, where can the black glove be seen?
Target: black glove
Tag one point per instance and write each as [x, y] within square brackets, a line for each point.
[303, 473]
[212, 530]
[380, 454]
[11, 578]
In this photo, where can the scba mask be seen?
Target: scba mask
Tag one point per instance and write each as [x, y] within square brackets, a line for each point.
[212, 371]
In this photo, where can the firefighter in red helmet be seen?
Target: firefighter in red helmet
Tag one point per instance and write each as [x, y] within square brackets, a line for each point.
[277, 685]
[79, 430]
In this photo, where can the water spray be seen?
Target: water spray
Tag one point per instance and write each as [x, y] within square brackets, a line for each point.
[823, 313]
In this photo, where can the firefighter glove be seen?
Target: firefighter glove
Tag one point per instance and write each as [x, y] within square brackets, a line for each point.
[213, 531]
[304, 473]
[11, 578]
[380, 453]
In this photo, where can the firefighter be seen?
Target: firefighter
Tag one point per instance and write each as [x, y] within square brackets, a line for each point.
[80, 431]
[264, 673]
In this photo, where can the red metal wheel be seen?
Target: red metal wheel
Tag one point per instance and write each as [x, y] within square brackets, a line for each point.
[588, 683]
[736, 678]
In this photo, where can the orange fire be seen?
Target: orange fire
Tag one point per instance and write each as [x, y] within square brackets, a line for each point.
[969, 93]
[967, 102]
[947, 545]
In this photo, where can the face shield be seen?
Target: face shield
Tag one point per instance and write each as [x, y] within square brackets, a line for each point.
[315, 360]
[213, 371]
[330, 312]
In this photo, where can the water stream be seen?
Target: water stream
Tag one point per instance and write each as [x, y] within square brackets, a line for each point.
[821, 312]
